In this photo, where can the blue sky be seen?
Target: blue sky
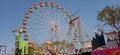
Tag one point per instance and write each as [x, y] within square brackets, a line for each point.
[12, 13]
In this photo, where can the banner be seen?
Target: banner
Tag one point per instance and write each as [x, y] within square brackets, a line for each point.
[110, 51]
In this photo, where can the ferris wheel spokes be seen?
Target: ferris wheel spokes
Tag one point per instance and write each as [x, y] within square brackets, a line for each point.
[47, 22]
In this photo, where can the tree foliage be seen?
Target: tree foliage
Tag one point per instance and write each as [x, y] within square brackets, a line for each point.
[110, 16]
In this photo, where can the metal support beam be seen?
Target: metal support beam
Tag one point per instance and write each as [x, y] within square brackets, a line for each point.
[2, 46]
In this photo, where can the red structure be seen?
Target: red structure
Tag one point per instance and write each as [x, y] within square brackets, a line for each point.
[110, 51]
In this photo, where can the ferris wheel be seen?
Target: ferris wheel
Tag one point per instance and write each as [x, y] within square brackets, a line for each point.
[46, 22]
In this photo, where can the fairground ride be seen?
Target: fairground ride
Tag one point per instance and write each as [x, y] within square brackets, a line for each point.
[49, 29]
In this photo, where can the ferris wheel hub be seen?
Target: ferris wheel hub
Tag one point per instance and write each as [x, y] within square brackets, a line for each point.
[54, 27]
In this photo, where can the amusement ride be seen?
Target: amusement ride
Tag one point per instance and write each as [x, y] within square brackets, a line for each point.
[49, 29]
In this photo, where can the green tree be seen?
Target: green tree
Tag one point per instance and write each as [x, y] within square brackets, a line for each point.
[110, 16]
